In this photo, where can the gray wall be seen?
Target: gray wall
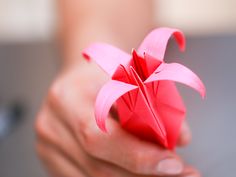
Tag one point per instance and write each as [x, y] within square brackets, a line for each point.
[26, 71]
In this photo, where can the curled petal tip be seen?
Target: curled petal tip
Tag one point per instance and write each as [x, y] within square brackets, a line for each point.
[134, 53]
[203, 93]
[183, 47]
[204, 96]
[101, 124]
[107, 95]
[156, 41]
[86, 56]
[104, 129]
[180, 38]
[106, 56]
[202, 89]
[178, 73]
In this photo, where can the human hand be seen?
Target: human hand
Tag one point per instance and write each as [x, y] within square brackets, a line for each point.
[70, 144]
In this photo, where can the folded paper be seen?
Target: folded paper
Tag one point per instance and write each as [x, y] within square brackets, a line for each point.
[142, 86]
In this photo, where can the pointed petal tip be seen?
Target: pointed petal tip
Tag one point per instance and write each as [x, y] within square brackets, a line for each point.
[133, 51]
[86, 56]
[202, 90]
[101, 125]
[203, 93]
[104, 129]
[181, 41]
[100, 119]
[182, 47]
[107, 95]
[156, 41]
[204, 96]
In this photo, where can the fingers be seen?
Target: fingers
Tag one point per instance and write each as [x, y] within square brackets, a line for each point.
[54, 136]
[51, 130]
[117, 147]
[64, 157]
[127, 151]
[56, 164]
[124, 150]
[185, 135]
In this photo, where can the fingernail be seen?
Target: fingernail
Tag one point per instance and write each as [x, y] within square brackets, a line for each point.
[169, 166]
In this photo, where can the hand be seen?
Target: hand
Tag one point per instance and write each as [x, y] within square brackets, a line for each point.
[70, 144]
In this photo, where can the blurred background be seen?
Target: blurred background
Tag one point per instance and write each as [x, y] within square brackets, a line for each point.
[29, 61]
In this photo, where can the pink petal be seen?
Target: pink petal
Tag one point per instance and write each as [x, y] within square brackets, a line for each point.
[178, 73]
[106, 56]
[155, 42]
[108, 94]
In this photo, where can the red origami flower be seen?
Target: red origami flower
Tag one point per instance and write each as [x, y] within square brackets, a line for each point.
[142, 86]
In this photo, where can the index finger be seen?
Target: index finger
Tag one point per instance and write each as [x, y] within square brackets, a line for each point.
[127, 151]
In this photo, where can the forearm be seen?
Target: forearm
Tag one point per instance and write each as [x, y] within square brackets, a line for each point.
[119, 22]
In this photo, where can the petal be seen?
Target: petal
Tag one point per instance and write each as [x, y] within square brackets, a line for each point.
[171, 110]
[108, 94]
[178, 73]
[155, 42]
[106, 56]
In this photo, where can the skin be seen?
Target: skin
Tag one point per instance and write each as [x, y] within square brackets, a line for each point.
[69, 142]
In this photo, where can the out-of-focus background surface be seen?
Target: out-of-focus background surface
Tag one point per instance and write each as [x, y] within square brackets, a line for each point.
[26, 20]
[29, 61]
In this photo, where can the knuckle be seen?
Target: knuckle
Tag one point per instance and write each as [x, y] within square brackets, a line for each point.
[40, 127]
[88, 137]
[55, 93]
[44, 132]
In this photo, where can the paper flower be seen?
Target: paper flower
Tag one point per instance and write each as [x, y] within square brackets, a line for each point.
[142, 85]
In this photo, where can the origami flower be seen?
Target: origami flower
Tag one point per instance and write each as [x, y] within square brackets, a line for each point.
[142, 85]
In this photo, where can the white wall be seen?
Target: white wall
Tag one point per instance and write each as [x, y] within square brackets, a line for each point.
[35, 19]
[26, 19]
[199, 17]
